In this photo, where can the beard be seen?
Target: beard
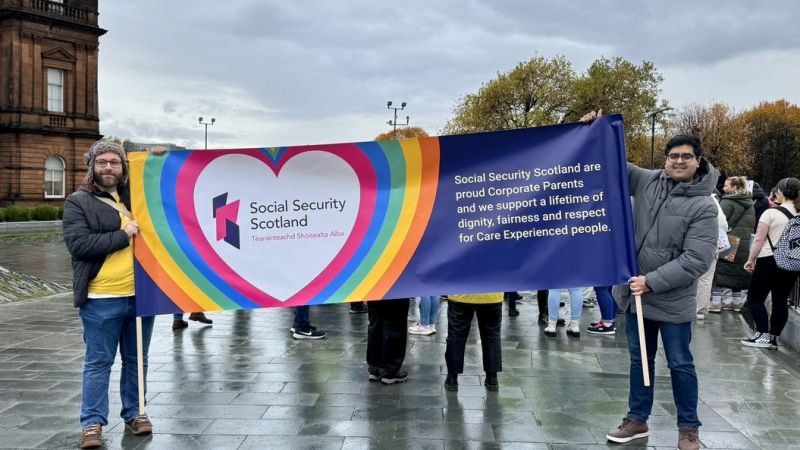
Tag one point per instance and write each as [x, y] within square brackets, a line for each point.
[107, 180]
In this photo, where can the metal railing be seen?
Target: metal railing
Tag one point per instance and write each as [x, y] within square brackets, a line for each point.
[794, 297]
[60, 9]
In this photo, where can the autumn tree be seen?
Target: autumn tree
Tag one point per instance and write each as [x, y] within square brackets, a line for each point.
[535, 92]
[402, 133]
[723, 133]
[617, 86]
[774, 141]
[547, 91]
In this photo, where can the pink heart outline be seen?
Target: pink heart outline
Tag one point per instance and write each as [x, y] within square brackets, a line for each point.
[193, 167]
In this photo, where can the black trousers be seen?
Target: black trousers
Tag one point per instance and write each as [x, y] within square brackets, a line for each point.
[387, 335]
[541, 299]
[767, 277]
[459, 319]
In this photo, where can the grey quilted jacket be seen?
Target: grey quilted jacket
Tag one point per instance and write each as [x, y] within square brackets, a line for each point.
[676, 239]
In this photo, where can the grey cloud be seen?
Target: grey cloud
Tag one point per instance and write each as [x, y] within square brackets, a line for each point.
[313, 60]
[169, 107]
[674, 32]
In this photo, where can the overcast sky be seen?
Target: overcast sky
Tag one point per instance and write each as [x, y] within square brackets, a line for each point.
[277, 73]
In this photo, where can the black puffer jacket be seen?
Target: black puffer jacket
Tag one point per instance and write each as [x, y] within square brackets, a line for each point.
[760, 202]
[91, 232]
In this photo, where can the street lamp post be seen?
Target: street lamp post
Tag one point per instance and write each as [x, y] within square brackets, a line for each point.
[394, 123]
[200, 121]
[653, 116]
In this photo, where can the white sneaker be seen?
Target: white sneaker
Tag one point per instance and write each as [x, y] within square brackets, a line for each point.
[701, 316]
[431, 329]
[418, 329]
[550, 329]
[574, 328]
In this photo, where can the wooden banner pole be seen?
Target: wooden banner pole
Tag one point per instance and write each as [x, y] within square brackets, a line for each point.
[140, 364]
[642, 342]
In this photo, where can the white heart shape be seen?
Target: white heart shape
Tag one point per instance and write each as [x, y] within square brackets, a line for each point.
[280, 267]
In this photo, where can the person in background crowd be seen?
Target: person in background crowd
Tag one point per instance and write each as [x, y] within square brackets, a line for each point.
[387, 337]
[358, 308]
[737, 204]
[178, 322]
[675, 226]
[767, 277]
[773, 200]
[760, 203]
[705, 283]
[301, 327]
[512, 297]
[576, 306]
[98, 232]
[608, 312]
[428, 309]
[460, 310]
[542, 299]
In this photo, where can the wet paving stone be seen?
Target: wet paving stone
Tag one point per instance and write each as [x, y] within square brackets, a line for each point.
[245, 383]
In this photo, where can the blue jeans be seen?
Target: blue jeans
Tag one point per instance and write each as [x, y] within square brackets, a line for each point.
[575, 303]
[107, 324]
[608, 307]
[676, 338]
[302, 321]
[428, 307]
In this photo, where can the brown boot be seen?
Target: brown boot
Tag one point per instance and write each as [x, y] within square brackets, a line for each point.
[139, 425]
[92, 436]
[629, 430]
[688, 439]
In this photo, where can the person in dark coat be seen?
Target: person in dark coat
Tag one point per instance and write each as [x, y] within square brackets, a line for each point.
[387, 337]
[98, 232]
[760, 202]
[737, 204]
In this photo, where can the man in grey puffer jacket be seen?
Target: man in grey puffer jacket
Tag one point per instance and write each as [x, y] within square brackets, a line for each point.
[675, 224]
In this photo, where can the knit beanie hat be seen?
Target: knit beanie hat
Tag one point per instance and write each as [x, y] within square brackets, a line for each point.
[100, 147]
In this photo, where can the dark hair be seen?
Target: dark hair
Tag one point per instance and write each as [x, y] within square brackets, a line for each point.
[790, 188]
[685, 139]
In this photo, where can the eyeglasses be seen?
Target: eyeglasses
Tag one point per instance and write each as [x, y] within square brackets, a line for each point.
[102, 163]
[683, 156]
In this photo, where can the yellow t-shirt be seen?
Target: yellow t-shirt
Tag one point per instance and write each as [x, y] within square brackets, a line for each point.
[115, 278]
[478, 298]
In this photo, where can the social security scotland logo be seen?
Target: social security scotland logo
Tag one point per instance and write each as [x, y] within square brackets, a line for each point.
[226, 215]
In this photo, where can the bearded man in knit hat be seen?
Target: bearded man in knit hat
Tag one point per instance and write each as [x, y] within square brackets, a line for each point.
[98, 231]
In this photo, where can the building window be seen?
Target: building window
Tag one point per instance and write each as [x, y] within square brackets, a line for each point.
[54, 177]
[55, 90]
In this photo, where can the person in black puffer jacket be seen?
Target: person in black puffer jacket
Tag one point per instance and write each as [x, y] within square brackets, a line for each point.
[760, 202]
[98, 231]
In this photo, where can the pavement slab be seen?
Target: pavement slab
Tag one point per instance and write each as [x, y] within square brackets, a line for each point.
[244, 383]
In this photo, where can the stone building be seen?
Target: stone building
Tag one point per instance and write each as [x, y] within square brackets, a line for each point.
[48, 97]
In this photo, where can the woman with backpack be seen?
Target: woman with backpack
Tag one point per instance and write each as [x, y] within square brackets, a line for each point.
[737, 204]
[767, 276]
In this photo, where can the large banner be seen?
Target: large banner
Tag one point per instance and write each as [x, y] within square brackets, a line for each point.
[535, 208]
